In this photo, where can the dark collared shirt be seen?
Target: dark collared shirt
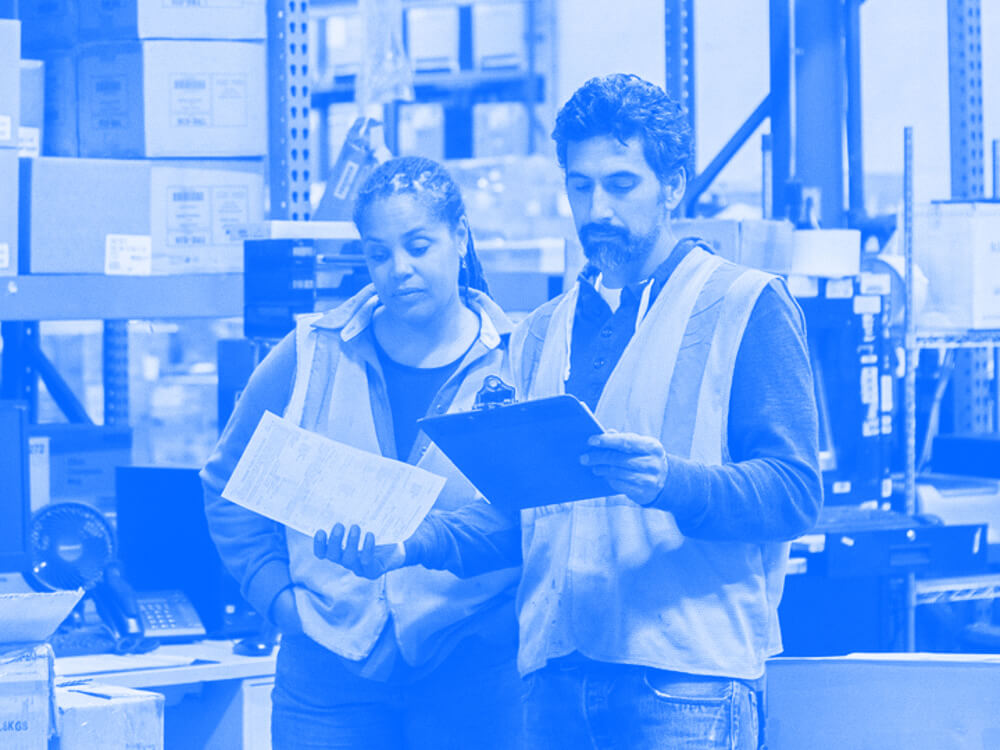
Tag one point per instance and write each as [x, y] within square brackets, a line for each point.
[600, 335]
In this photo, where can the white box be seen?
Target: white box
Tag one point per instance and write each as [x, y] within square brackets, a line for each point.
[499, 129]
[10, 82]
[344, 46]
[8, 212]
[874, 701]
[957, 245]
[172, 99]
[26, 666]
[758, 243]
[421, 130]
[30, 132]
[137, 217]
[498, 35]
[173, 19]
[432, 38]
[109, 717]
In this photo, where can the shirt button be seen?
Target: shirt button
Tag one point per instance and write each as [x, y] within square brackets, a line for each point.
[599, 363]
[439, 409]
[606, 333]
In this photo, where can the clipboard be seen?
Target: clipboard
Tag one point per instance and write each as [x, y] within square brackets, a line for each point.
[522, 455]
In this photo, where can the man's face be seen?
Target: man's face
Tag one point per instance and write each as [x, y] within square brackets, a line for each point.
[619, 206]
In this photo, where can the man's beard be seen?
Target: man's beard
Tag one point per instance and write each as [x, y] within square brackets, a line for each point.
[610, 248]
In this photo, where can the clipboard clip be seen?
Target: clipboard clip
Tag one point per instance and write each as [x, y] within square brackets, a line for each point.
[494, 393]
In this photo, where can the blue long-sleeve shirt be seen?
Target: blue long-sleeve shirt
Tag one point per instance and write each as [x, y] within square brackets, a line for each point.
[770, 491]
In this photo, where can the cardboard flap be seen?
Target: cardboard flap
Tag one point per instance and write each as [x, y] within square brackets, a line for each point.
[34, 617]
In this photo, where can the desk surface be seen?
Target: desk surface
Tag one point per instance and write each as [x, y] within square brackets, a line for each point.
[176, 664]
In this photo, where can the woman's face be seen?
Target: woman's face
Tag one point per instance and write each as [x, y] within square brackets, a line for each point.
[413, 257]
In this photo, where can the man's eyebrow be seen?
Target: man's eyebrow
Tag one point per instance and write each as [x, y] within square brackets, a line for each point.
[577, 176]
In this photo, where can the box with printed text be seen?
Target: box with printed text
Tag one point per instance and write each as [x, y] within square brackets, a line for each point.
[8, 212]
[172, 99]
[131, 217]
[61, 24]
[10, 82]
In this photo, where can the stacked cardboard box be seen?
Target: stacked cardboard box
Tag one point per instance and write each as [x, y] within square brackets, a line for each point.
[91, 715]
[27, 704]
[10, 117]
[131, 85]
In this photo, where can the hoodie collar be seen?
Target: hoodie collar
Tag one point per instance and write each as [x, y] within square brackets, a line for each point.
[355, 315]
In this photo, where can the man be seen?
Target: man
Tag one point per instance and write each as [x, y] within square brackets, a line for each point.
[646, 617]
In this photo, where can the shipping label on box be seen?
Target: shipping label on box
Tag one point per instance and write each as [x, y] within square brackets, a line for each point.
[92, 715]
[193, 213]
[10, 82]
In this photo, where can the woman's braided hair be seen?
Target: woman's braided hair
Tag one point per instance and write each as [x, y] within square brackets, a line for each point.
[430, 183]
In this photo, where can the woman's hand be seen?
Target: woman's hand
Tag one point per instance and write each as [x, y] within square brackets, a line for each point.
[634, 465]
[368, 561]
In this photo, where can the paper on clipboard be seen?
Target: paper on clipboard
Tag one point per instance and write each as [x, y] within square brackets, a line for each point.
[525, 454]
[309, 482]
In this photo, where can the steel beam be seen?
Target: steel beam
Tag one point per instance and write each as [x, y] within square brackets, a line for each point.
[782, 29]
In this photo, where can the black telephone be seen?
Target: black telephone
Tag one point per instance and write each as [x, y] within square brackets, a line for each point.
[72, 547]
[156, 615]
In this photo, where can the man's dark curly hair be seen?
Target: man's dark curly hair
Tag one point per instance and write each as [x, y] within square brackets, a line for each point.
[624, 106]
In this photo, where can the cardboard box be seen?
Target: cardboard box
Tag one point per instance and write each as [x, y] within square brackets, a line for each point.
[957, 245]
[136, 217]
[862, 701]
[499, 129]
[92, 715]
[59, 137]
[27, 709]
[26, 674]
[48, 25]
[421, 130]
[344, 49]
[61, 24]
[173, 19]
[172, 99]
[10, 82]
[498, 35]
[755, 243]
[8, 212]
[30, 132]
[432, 38]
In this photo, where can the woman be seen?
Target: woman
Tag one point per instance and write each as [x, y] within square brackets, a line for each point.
[416, 658]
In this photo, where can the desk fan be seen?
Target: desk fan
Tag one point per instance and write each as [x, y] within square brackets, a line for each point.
[72, 547]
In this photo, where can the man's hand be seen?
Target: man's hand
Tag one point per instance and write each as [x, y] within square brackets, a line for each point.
[368, 561]
[634, 465]
[285, 614]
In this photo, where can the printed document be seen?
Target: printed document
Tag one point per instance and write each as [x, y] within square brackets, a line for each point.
[309, 482]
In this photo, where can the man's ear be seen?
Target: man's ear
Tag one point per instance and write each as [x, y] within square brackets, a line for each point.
[674, 187]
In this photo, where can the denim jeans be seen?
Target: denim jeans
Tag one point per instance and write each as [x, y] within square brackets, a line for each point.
[471, 699]
[580, 703]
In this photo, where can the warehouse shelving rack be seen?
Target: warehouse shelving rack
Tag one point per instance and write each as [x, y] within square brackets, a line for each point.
[26, 300]
[457, 90]
[980, 407]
